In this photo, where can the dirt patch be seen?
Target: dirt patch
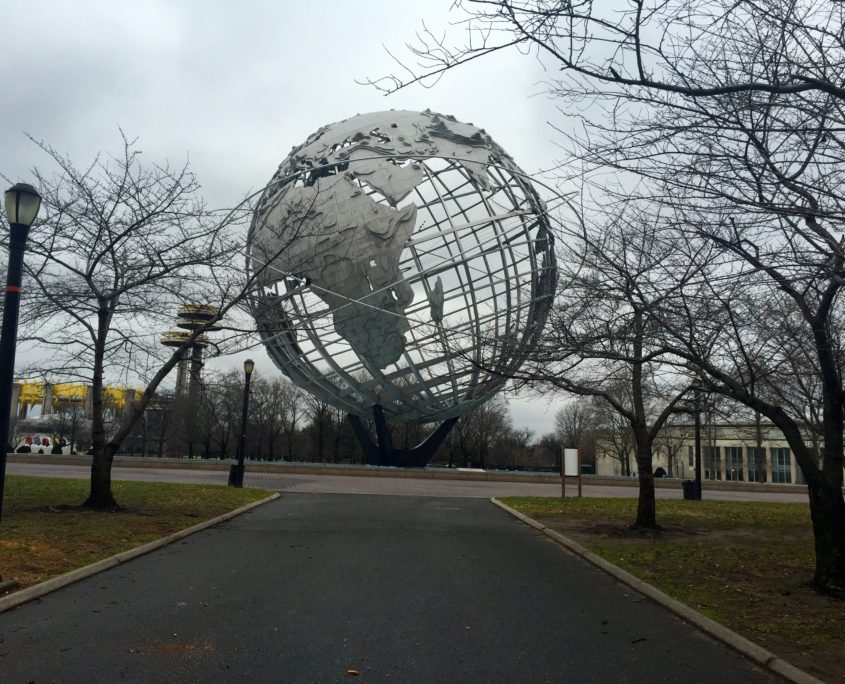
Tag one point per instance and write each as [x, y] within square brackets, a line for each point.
[23, 561]
[622, 532]
[182, 648]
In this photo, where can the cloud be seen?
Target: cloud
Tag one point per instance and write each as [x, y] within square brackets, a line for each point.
[234, 85]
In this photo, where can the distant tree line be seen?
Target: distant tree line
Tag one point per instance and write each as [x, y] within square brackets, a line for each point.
[287, 424]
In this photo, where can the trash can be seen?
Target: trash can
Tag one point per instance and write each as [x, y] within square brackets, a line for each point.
[689, 490]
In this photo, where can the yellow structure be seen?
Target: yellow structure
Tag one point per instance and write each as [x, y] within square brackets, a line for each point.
[48, 395]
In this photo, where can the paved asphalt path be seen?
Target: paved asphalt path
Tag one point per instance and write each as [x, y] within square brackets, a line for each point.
[401, 589]
[398, 486]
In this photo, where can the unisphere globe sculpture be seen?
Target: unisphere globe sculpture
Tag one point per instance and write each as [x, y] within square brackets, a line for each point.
[404, 263]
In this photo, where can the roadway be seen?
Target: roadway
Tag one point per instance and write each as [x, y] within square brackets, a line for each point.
[337, 588]
[397, 486]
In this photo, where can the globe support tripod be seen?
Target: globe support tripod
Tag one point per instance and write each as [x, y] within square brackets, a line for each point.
[381, 450]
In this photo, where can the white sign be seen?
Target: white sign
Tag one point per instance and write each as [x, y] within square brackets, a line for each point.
[570, 462]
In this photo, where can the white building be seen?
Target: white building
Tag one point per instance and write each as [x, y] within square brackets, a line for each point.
[741, 452]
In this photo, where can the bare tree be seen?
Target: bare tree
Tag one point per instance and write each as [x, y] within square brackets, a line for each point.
[615, 438]
[278, 406]
[758, 177]
[478, 438]
[731, 112]
[221, 402]
[512, 449]
[574, 422]
[322, 427]
[475, 435]
[118, 248]
[69, 423]
[547, 451]
[665, 46]
[673, 441]
[225, 426]
[603, 339]
[157, 416]
[292, 411]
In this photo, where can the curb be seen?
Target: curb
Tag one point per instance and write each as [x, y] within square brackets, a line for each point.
[766, 659]
[50, 585]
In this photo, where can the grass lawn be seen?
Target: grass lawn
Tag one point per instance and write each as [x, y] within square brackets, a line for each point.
[44, 532]
[746, 565]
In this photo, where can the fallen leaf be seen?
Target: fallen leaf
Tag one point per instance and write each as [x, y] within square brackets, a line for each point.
[352, 672]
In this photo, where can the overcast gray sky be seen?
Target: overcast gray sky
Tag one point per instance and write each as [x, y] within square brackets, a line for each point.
[235, 85]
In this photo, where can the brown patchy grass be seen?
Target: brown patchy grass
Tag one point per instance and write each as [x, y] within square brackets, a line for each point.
[747, 565]
[44, 532]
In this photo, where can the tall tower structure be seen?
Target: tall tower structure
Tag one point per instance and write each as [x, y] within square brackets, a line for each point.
[191, 317]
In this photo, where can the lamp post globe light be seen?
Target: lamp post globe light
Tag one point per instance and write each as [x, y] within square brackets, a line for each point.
[236, 470]
[22, 203]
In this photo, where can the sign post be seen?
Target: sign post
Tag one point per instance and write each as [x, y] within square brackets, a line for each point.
[571, 467]
[580, 475]
[562, 474]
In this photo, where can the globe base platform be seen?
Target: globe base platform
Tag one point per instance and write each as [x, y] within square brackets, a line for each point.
[381, 450]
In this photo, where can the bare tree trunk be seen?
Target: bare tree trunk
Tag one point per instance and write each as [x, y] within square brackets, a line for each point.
[144, 421]
[646, 507]
[646, 504]
[162, 424]
[100, 496]
[289, 438]
[827, 510]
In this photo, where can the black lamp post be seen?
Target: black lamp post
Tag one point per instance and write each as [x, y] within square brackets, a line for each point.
[692, 488]
[236, 470]
[22, 205]
[697, 493]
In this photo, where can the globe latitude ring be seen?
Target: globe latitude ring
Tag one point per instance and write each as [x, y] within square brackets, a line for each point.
[403, 261]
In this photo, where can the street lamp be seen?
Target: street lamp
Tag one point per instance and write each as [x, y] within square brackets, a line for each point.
[697, 391]
[236, 470]
[22, 205]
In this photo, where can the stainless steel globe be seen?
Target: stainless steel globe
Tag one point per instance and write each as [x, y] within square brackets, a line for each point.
[403, 261]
